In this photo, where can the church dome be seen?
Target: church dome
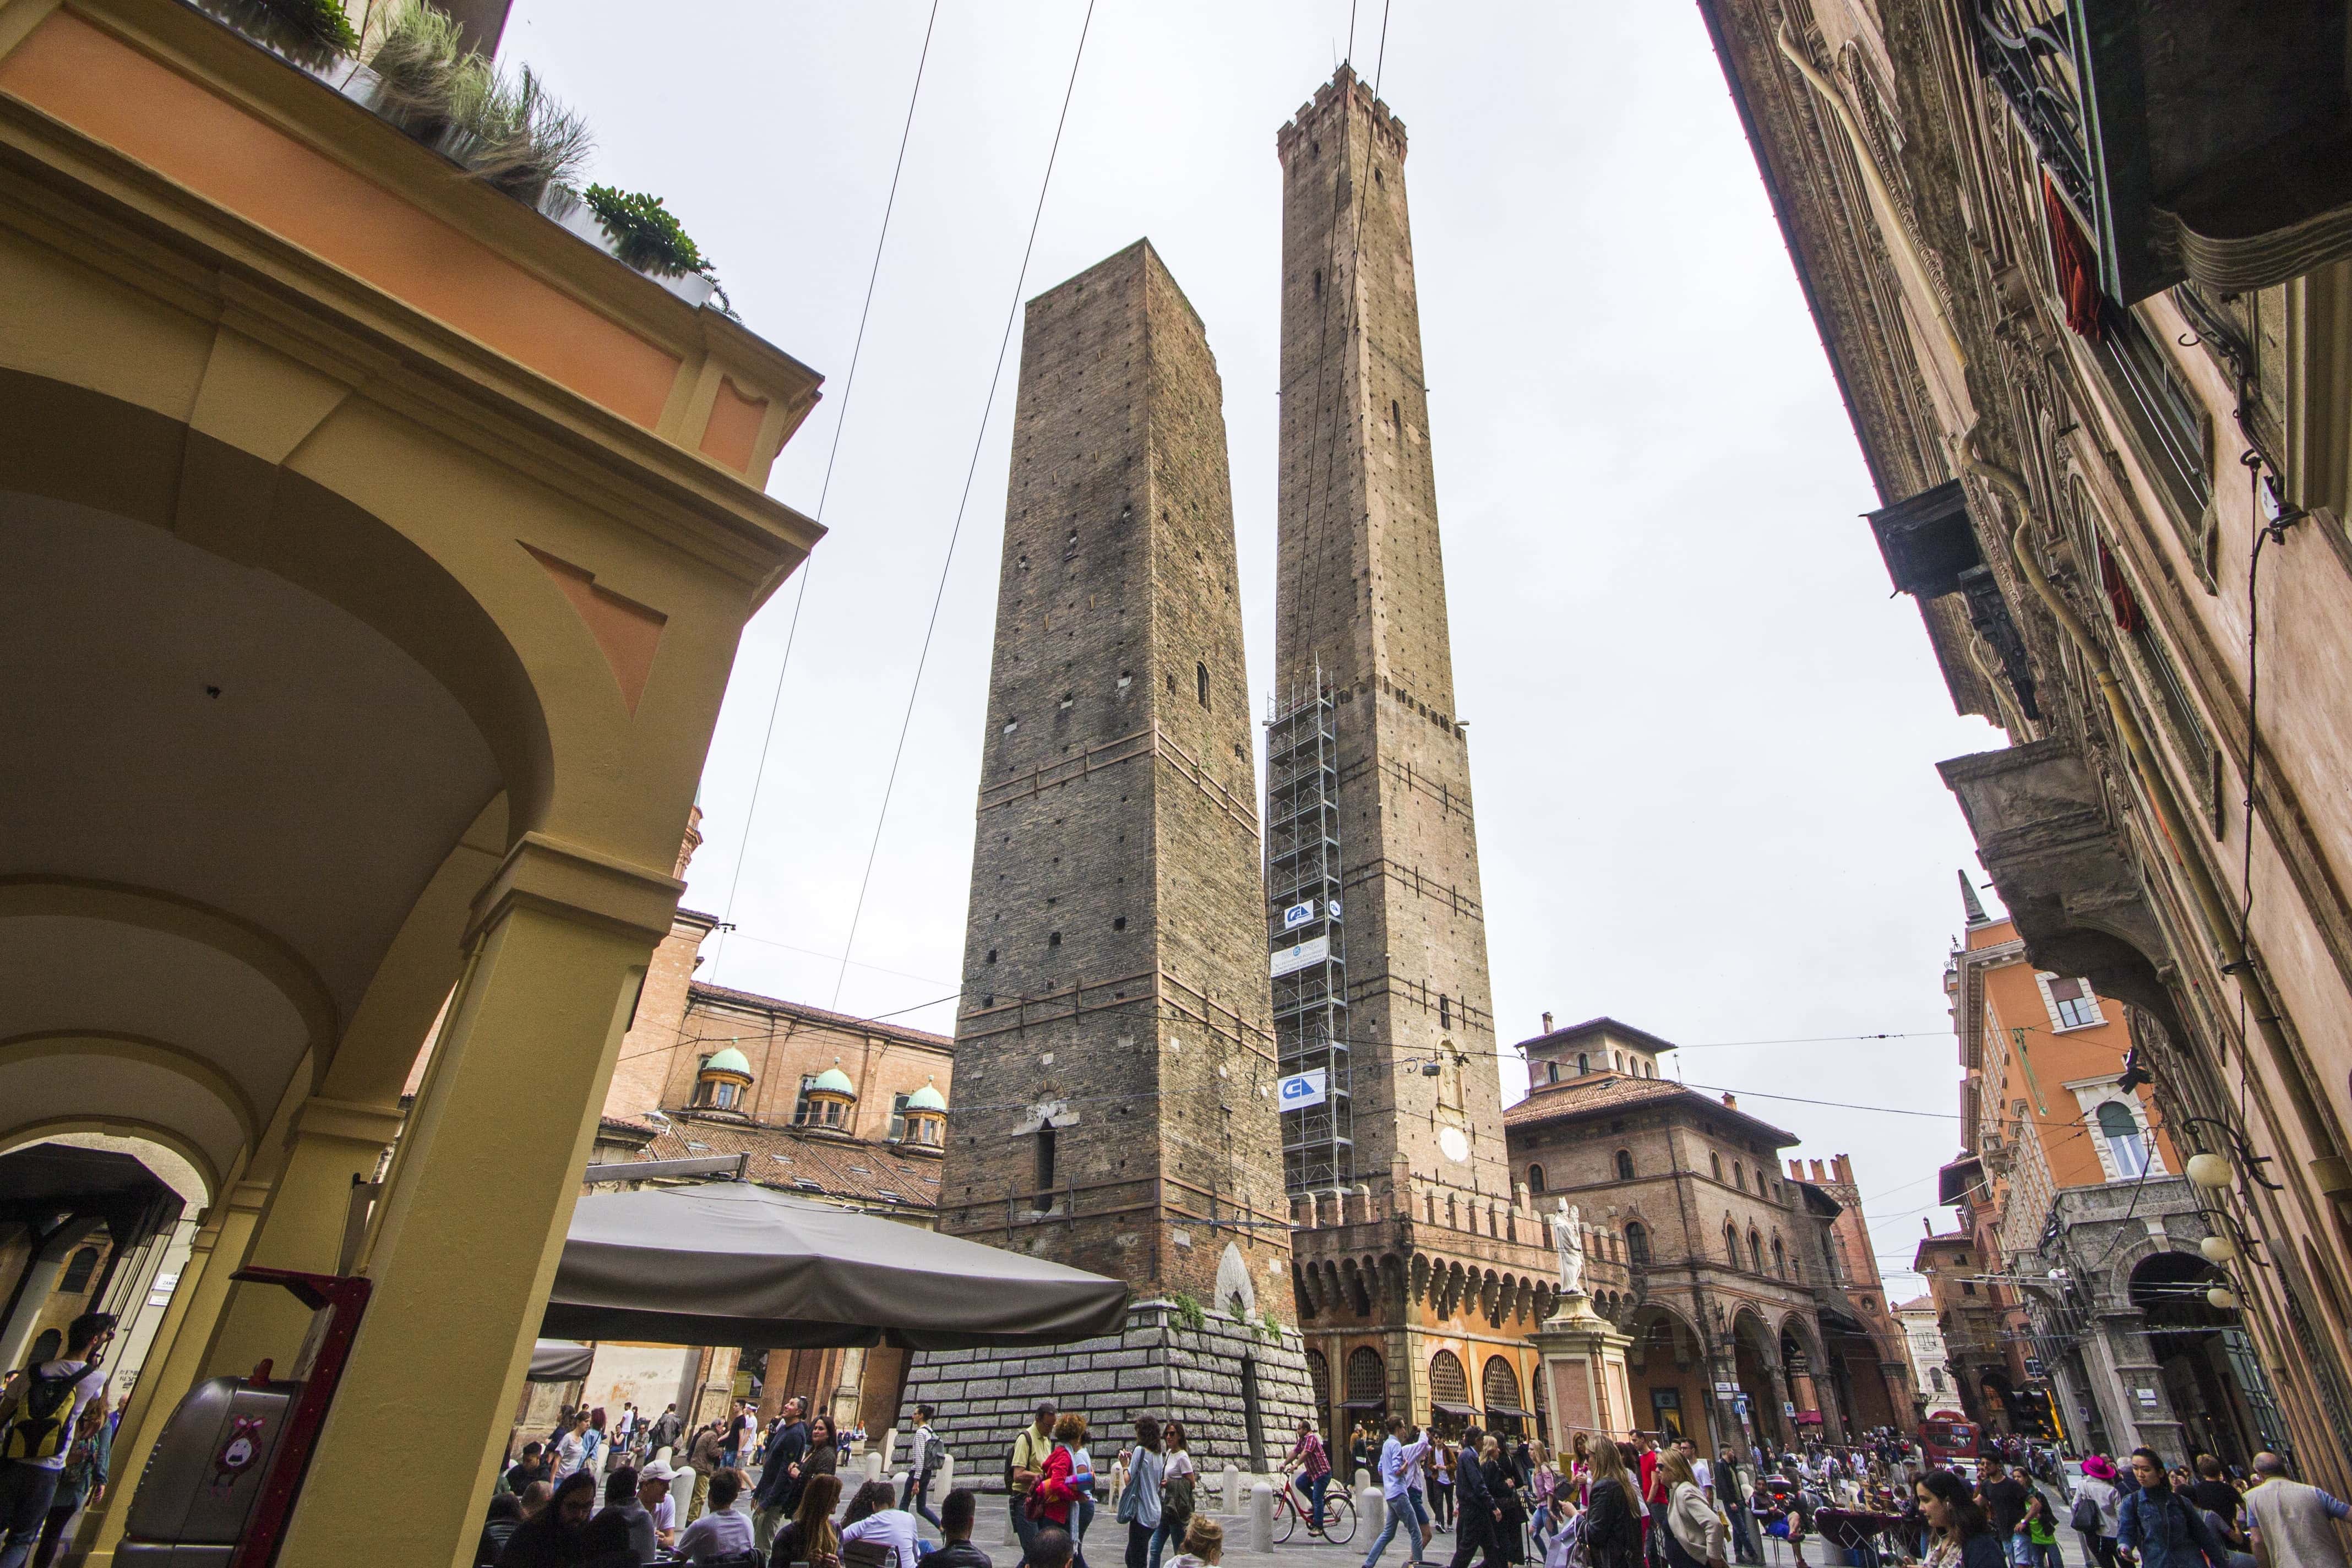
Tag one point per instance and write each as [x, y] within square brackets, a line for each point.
[927, 1098]
[833, 1080]
[729, 1059]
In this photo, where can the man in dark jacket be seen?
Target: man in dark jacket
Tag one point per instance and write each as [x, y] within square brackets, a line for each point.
[1476, 1513]
[779, 1493]
[956, 1550]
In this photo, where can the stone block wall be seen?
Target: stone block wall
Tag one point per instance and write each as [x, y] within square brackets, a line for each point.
[1157, 1366]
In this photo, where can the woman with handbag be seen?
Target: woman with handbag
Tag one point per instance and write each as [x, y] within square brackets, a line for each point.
[1693, 1534]
[1139, 1500]
[1178, 1476]
[2098, 1510]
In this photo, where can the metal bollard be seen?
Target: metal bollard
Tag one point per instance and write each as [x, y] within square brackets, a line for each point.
[1261, 1518]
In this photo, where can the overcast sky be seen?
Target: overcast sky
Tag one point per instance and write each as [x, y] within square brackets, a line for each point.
[1703, 735]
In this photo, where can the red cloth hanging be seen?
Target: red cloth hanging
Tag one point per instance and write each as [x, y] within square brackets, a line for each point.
[2120, 597]
[2076, 263]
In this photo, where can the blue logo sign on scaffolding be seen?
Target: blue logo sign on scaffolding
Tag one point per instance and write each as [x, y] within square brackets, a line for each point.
[1297, 915]
[1302, 1090]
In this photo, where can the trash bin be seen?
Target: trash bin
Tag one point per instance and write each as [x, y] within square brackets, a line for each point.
[204, 1474]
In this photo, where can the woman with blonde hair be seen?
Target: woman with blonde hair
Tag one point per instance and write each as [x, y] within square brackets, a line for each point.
[1204, 1543]
[1613, 1521]
[1693, 1534]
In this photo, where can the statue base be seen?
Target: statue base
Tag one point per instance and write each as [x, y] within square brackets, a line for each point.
[1583, 1368]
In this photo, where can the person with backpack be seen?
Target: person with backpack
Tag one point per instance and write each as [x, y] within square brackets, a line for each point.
[922, 1463]
[39, 1407]
[1138, 1498]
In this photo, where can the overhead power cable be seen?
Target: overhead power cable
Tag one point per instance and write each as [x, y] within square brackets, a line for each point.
[825, 493]
[963, 502]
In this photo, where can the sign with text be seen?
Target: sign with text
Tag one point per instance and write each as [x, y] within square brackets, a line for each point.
[1290, 960]
[1302, 1090]
[1297, 915]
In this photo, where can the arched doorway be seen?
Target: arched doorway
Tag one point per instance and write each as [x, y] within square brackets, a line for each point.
[1368, 1385]
[1750, 1358]
[2210, 1373]
[1499, 1386]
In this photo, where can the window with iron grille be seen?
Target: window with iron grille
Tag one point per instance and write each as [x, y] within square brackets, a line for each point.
[1368, 1376]
[1448, 1383]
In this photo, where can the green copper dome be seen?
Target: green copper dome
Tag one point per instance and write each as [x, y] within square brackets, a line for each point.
[927, 1099]
[833, 1080]
[729, 1060]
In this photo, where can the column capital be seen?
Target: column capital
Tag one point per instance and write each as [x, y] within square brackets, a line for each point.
[573, 881]
[349, 1119]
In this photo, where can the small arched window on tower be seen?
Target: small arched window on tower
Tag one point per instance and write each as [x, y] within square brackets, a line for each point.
[1738, 1176]
[1731, 1242]
[1444, 1011]
[1715, 1162]
[1396, 417]
[1583, 1063]
[1200, 682]
[1637, 1244]
[1624, 1165]
[1045, 1158]
[1779, 1259]
[1535, 1178]
[1756, 1251]
[1319, 283]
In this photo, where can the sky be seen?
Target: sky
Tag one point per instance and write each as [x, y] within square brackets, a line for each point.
[1702, 734]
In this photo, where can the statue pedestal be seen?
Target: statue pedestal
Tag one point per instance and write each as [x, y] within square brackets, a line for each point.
[1583, 1369]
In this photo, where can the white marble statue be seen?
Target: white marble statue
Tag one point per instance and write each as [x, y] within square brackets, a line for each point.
[1567, 1236]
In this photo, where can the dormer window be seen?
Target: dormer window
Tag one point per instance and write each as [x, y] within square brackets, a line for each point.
[724, 1081]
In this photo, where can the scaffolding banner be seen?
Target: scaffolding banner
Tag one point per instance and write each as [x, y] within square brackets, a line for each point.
[1297, 915]
[1302, 1090]
[1291, 959]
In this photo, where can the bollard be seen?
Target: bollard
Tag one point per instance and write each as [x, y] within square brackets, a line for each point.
[1363, 1477]
[1230, 1499]
[1370, 1509]
[1261, 1518]
[889, 1447]
[873, 1465]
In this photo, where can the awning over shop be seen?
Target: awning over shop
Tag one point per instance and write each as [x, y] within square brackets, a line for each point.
[732, 1264]
[1513, 1411]
[1363, 1404]
[1467, 1412]
[560, 1361]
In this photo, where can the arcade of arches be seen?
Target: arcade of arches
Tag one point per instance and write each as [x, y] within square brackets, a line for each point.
[367, 609]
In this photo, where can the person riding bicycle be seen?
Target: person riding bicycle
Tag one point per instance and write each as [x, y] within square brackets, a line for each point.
[1314, 1472]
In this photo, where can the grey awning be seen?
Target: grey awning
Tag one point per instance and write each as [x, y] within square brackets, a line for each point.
[1511, 1410]
[560, 1361]
[734, 1264]
[1469, 1412]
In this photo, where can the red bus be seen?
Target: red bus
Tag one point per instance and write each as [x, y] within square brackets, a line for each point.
[1948, 1437]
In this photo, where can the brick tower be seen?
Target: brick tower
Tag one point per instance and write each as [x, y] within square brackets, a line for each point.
[1114, 1052]
[1369, 807]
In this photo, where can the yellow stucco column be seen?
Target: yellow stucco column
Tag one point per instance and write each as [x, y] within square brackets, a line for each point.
[172, 1364]
[467, 1236]
[301, 1227]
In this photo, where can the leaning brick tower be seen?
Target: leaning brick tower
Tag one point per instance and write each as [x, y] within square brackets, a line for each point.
[1115, 1064]
[1377, 926]
[1361, 609]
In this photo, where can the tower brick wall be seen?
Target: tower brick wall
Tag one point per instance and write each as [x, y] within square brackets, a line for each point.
[1116, 995]
[1361, 594]
[1115, 1054]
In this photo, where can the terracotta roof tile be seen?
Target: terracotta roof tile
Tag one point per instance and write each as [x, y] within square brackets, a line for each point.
[1595, 1092]
[813, 1162]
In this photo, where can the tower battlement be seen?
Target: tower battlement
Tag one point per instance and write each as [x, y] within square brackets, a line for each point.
[1345, 88]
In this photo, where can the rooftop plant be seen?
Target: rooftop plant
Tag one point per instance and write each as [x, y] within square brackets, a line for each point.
[510, 131]
[321, 22]
[646, 234]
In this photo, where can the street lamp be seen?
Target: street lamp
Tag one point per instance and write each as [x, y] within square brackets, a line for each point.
[2218, 1249]
[2210, 1170]
[2222, 1298]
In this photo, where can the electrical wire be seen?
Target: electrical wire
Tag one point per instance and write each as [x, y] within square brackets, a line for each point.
[825, 493]
[963, 502]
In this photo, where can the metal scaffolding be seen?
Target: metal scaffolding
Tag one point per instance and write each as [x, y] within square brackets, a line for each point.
[1306, 934]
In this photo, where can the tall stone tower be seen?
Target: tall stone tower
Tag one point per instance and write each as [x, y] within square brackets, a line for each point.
[1361, 606]
[1115, 1066]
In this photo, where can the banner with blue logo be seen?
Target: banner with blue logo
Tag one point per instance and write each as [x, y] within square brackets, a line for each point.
[1302, 1090]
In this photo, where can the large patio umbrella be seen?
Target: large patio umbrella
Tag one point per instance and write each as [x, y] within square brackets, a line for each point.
[560, 1361]
[730, 1263]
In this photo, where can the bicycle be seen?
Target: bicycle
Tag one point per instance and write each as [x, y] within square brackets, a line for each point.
[1339, 1520]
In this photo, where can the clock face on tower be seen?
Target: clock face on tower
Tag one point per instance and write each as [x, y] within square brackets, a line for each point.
[1454, 1143]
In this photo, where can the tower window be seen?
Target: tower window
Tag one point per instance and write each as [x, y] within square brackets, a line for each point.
[991, 955]
[1714, 1161]
[1396, 417]
[1119, 923]
[1535, 1178]
[1624, 1165]
[1637, 1244]
[1444, 1011]
[1052, 939]
[1172, 683]
[1045, 1159]
[1201, 681]
[1319, 283]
